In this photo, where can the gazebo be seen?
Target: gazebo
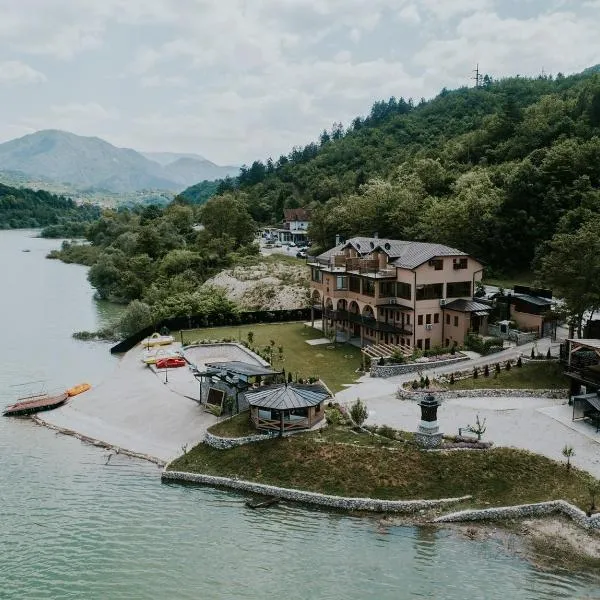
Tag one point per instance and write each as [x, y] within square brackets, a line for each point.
[287, 407]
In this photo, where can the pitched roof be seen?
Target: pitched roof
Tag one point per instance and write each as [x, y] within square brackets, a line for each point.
[404, 254]
[287, 396]
[296, 214]
[470, 306]
[537, 300]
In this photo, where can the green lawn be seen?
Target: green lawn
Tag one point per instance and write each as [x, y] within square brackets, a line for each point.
[238, 426]
[317, 461]
[335, 366]
[509, 281]
[542, 375]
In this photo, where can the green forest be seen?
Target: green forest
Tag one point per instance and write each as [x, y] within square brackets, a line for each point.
[508, 171]
[24, 208]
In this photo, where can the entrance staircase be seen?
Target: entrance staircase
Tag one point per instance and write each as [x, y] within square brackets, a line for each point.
[376, 351]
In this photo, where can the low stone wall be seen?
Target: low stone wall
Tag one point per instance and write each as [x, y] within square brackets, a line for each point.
[338, 502]
[225, 443]
[393, 370]
[524, 511]
[403, 394]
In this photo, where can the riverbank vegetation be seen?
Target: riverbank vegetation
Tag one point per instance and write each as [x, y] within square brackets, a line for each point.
[532, 375]
[328, 461]
[335, 364]
[23, 208]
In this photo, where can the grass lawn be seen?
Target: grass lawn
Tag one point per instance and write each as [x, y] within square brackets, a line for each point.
[542, 375]
[509, 281]
[238, 426]
[335, 366]
[320, 462]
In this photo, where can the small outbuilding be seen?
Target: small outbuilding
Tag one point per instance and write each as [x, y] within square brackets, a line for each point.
[287, 407]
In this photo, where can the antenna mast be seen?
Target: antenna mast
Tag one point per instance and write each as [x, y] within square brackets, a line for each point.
[477, 77]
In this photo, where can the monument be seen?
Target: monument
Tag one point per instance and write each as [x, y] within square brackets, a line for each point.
[428, 433]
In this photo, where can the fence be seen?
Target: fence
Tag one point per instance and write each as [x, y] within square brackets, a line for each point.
[520, 337]
[203, 322]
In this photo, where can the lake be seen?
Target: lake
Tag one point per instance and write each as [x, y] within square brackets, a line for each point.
[72, 526]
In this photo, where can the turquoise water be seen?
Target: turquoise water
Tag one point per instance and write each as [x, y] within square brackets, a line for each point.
[72, 526]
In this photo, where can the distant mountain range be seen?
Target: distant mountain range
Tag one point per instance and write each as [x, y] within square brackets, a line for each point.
[90, 163]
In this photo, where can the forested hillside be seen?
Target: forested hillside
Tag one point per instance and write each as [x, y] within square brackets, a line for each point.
[491, 170]
[23, 208]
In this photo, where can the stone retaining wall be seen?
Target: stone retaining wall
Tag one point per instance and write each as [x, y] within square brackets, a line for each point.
[403, 394]
[400, 369]
[339, 502]
[225, 443]
[523, 511]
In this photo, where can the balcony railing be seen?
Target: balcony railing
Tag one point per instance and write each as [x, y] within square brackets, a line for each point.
[370, 322]
[363, 266]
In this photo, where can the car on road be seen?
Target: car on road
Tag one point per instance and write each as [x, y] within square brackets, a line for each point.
[301, 254]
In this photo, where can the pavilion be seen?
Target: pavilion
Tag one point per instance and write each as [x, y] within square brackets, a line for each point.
[287, 407]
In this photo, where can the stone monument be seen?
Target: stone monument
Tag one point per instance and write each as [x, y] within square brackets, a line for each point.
[428, 433]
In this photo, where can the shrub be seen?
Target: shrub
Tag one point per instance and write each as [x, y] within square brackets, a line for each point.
[289, 377]
[415, 384]
[422, 382]
[387, 432]
[359, 412]
[532, 352]
[486, 371]
[333, 417]
[497, 368]
[427, 382]
[519, 362]
[548, 354]
[250, 337]
[381, 362]
[508, 365]
[451, 378]
[475, 372]
[453, 349]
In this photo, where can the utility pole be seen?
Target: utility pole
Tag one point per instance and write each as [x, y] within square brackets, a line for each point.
[477, 76]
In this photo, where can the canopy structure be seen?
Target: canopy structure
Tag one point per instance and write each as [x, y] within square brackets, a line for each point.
[287, 407]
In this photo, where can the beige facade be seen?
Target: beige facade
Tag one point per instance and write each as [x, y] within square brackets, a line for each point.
[396, 292]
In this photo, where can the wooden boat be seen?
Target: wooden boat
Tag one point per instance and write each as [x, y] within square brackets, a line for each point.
[78, 389]
[262, 503]
[33, 404]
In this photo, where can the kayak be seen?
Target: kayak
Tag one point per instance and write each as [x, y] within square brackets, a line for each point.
[170, 363]
[157, 340]
[78, 389]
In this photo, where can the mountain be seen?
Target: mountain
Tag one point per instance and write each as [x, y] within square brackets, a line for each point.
[90, 162]
[166, 158]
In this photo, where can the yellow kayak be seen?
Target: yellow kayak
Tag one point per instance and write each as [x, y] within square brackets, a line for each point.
[78, 389]
[157, 340]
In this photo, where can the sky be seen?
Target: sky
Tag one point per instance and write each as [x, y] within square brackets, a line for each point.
[240, 80]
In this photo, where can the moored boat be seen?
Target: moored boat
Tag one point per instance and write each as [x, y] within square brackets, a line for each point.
[78, 389]
[157, 340]
[34, 404]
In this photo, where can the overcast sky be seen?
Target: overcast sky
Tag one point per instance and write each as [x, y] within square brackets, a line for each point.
[236, 80]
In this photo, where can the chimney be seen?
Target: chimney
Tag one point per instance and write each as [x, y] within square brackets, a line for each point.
[376, 235]
[338, 239]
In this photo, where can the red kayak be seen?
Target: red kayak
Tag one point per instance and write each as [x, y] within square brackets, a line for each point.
[33, 404]
[170, 363]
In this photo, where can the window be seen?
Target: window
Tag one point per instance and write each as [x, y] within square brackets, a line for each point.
[436, 317]
[368, 287]
[316, 275]
[341, 282]
[403, 290]
[420, 320]
[387, 289]
[420, 344]
[428, 319]
[354, 284]
[458, 289]
[408, 319]
[455, 321]
[447, 319]
[437, 264]
[432, 291]
[427, 344]
[461, 263]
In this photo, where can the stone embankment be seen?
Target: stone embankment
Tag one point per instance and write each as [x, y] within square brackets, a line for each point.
[337, 502]
[444, 394]
[522, 511]
[226, 443]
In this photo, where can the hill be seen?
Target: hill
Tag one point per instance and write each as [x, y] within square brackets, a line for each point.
[23, 208]
[491, 170]
[90, 164]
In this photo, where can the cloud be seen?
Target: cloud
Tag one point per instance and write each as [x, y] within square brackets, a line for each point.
[15, 72]
[88, 110]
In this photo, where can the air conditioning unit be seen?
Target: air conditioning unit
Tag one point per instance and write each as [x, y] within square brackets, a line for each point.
[428, 327]
[443, 301]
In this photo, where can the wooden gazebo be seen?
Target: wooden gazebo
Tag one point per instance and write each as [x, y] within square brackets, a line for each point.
[287, 407]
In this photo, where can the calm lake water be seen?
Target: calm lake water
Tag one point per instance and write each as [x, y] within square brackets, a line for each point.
[73, 527]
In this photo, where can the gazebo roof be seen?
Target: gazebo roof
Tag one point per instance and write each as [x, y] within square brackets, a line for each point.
[287, 396]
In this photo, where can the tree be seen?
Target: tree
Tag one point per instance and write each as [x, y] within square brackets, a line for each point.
[228, 216]
[359, 412]
[479, 428]
[136, 317]
[571, 267]
[568, 452]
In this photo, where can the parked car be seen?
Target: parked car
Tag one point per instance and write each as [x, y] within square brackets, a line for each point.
[301, 254]
[170, 363]
[292, 244]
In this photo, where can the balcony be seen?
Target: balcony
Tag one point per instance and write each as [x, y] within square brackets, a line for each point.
[371, 323]
[341, 263]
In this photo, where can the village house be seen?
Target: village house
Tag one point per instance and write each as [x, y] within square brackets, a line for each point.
[294, 228]
[412, 294]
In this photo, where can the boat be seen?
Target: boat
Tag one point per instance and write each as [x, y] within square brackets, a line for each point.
[34, 404]
[78, 389]
[171, 362]
[151, 356]
[157, 340]
[262, 503]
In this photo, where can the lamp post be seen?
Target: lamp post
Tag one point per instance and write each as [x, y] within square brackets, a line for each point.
[428, 433]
